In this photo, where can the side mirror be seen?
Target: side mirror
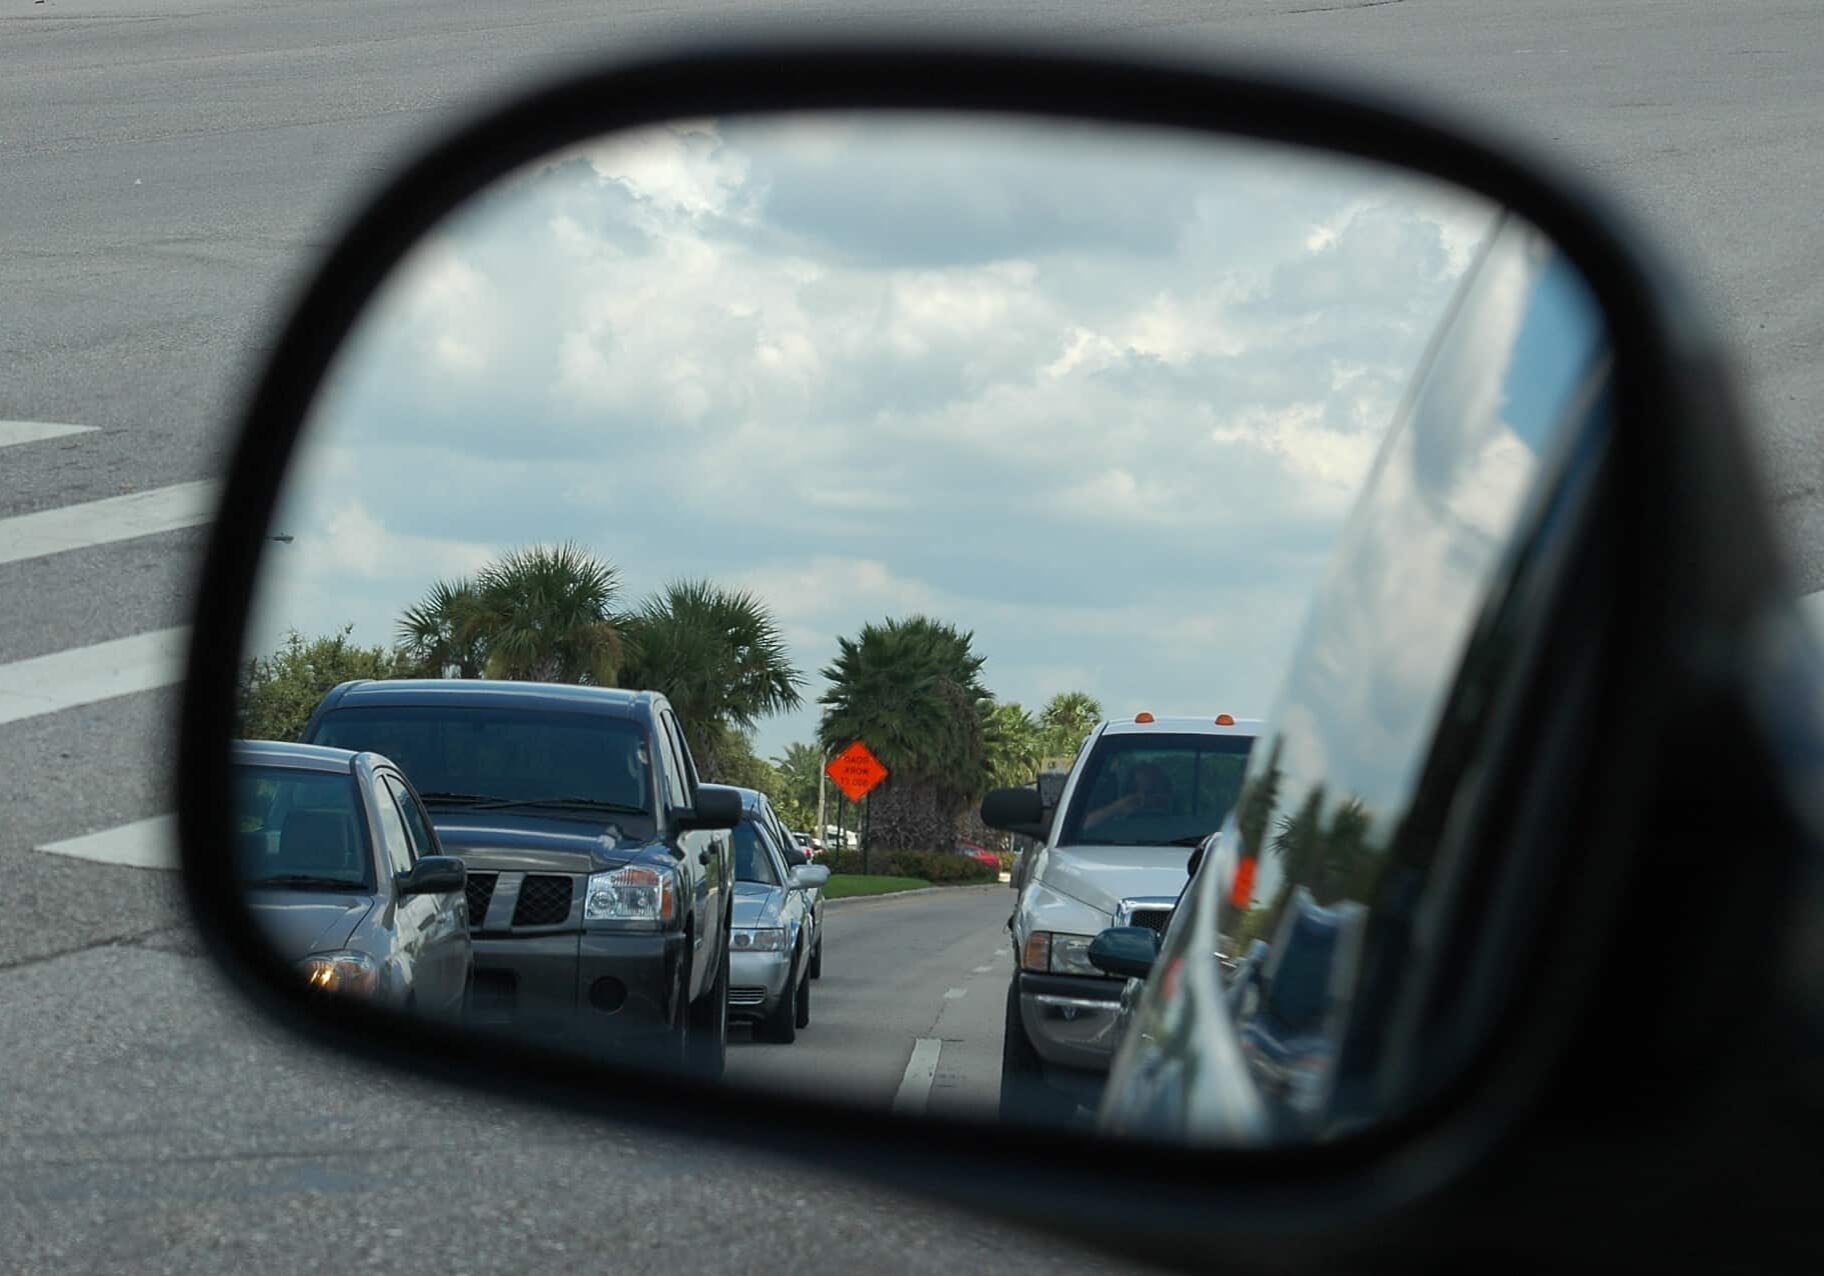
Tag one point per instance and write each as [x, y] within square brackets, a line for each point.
[434, 875]
[718, 807]
[1127, 952]
[810, 876]
[1015, 810]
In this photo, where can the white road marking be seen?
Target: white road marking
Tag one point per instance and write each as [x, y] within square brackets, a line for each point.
[921, 1070]
[114, 518]
[12, 432]
[951, 994]
[84, 675]
[982, 970]
[143, 844]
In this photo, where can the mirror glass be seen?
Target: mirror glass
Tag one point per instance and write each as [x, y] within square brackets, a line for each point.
[863, 464]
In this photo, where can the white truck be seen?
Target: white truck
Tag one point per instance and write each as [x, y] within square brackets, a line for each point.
[1143, 794]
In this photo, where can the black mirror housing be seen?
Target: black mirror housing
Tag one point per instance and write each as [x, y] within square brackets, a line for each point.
[1127, 952]
[434, 875]
[1016, 810]
[718, 807]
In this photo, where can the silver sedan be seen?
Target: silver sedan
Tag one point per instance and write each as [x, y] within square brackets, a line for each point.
[770, 954]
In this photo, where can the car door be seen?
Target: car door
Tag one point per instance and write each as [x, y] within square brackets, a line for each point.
[794, 855]
[447, 951]
[702, 861]
[792, 913]
[408, 917]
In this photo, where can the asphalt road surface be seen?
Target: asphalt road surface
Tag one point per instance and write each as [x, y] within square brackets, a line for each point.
[909, 1011]
[166, 171]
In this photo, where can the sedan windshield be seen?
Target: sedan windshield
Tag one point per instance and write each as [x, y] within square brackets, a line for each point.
[300, 830]
[573, 763]
[1156, 790]
[753, 859]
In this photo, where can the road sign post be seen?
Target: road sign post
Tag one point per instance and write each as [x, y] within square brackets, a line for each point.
[857, 772]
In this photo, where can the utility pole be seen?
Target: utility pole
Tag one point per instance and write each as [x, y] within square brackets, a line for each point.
[823, 780]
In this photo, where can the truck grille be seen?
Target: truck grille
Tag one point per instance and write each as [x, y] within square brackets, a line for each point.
[1155, 919]
[479, 887]
[544, 900]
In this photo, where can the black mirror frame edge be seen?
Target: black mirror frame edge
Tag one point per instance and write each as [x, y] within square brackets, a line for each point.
[1399, 1184]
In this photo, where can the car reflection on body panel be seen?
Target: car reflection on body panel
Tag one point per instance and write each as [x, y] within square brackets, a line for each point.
[344, 873]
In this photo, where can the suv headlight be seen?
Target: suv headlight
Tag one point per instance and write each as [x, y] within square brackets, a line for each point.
[759, 939]
[1056, 953]
[637, 894]
[343, 974]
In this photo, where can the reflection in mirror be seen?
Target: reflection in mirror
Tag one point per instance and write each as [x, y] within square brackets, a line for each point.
[867, 465]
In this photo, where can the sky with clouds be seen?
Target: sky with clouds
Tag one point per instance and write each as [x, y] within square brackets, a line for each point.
[1103, 397]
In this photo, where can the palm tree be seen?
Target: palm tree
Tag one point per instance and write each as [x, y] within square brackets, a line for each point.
[911, 691]
[720, 659]
[442, 635]
[546, 615]
[800, 771]
[1015, 745]
[1066, 721]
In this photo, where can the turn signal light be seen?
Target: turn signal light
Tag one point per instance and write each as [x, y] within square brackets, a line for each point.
[1224, 720]
[1143, 717]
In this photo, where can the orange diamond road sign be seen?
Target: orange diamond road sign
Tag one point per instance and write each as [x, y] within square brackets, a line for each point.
[856, 771]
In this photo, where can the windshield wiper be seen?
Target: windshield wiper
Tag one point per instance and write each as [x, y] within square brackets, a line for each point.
[457, 799]
[569, 803]
[1189, 839]
[303, 879]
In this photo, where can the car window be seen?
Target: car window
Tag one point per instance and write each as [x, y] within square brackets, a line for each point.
[514, 754]
[672, 773]
[415, 824]
[301, 825]
[753, 856]
[687, 767]
[1155, 790]
[392, 834]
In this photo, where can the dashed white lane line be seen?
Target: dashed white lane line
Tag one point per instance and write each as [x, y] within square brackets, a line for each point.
[143, 844]
[12, 432]
[982, 970]
[921, 1070]
[84, 675]
[113, 518]
[951, 994]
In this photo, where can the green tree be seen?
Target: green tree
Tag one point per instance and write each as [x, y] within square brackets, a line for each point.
[443, 635]
[279, 692]
[546, 614]
[738, 764]
[720, 659]
[799, 770]
[1065, 722]
[911, 690]
[1015, 745]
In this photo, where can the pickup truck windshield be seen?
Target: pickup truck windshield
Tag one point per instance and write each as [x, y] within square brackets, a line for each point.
[463, 755]
[1155, 790]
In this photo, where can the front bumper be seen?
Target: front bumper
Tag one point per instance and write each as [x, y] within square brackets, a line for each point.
[1071, 1020]
[595, 991]
[756, 982]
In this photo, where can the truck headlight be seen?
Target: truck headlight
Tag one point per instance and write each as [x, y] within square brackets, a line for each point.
[1056, 953]
[635, 894]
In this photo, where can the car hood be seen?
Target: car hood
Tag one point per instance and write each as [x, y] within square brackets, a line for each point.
[302, 922]
[1103, 876]
[757, 904]
[510, 842]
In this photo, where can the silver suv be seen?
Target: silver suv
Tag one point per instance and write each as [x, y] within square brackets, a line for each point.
[1143, 794]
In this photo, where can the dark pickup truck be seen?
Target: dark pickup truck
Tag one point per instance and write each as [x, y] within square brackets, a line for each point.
[600, 871]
